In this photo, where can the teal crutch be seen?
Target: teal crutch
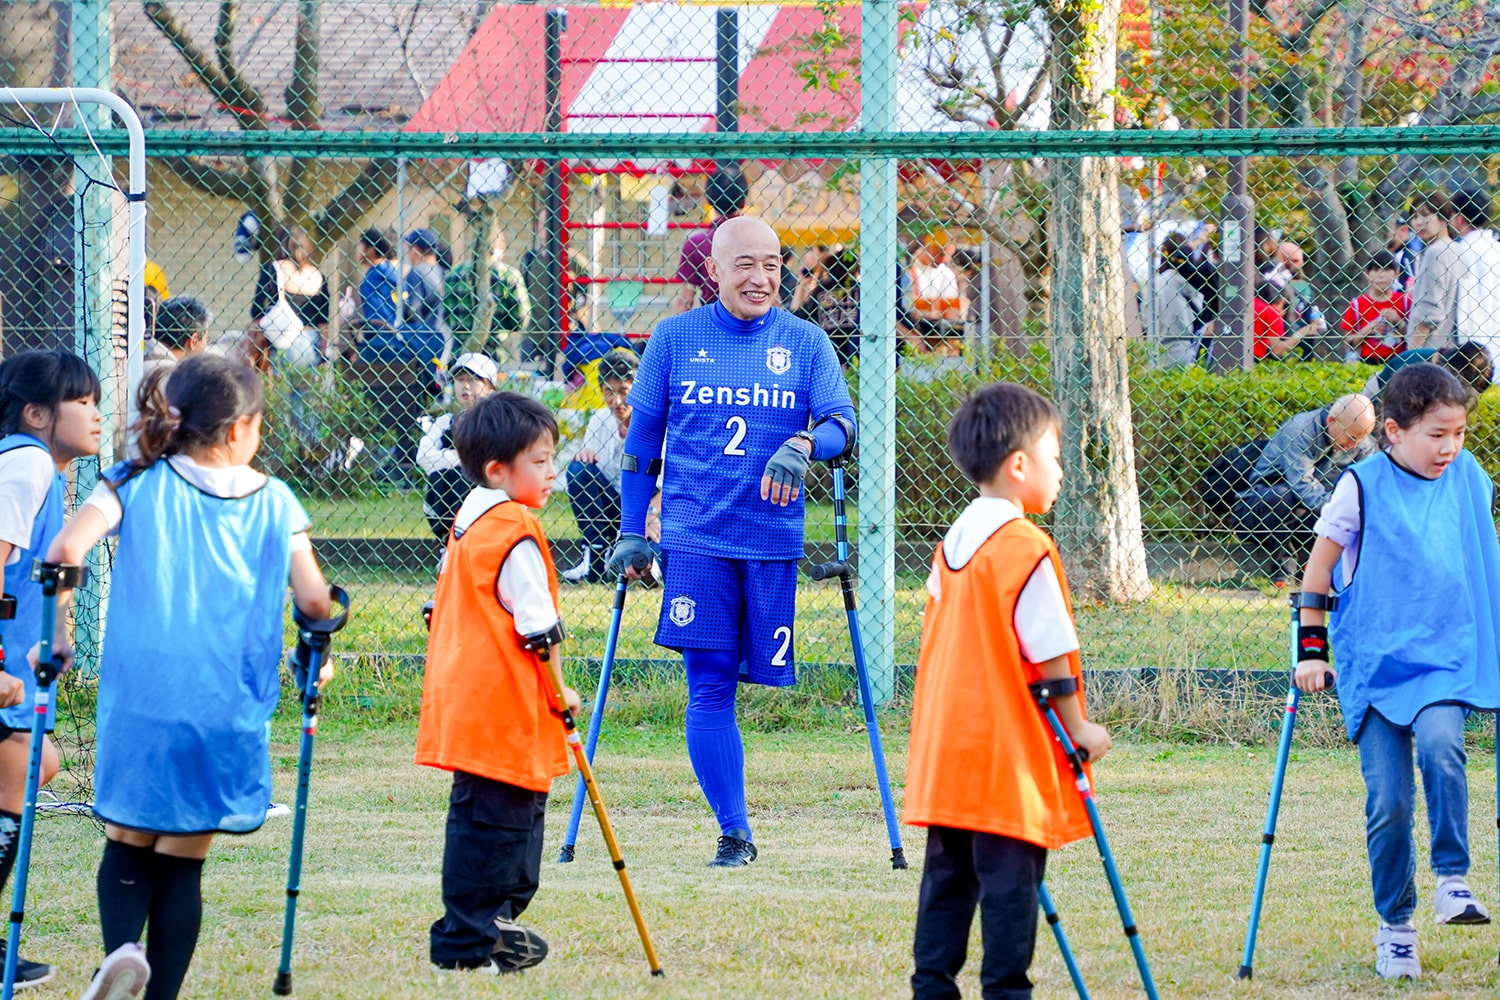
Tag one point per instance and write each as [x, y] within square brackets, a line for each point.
[840, 568]
[54, 577]
[313, 639]
[1055, 922]
[1044, 691]
[596, 717]
[1321, 602]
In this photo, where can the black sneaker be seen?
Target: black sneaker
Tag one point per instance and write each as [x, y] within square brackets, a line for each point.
[517, 947]
[735, 851]
[29, 974]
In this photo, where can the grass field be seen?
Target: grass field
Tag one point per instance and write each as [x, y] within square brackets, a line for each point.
[820, 914]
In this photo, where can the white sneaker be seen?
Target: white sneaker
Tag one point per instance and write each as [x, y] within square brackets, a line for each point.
[1455, 903]
[1396, 952]
[123, 975]
[580, 572]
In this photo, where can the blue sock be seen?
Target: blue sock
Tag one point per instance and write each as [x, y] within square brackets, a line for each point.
[713, 734]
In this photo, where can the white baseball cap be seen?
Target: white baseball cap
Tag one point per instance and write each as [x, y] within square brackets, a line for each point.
[476, 364]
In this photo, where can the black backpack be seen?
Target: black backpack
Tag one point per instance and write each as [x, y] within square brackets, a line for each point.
[1227, 475]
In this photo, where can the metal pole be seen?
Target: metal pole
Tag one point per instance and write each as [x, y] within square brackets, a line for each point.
[400, 235]
[1234, 346]
[555, 23]
[727, 70]
[877, 352]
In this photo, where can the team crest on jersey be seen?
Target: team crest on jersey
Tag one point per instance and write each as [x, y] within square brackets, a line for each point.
[683, 611]
[778, 359]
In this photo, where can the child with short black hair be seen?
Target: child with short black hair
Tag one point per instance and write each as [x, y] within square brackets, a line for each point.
[1407, 544]
[985, 775]
[1374, 323]
[190, 669]
[474, 377]
[487, 711]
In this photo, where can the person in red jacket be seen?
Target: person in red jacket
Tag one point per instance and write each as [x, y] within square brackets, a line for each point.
[985, 775]
[487, 708]
[1375, 323]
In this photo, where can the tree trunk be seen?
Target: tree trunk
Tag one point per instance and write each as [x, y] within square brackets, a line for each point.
[1097, 520]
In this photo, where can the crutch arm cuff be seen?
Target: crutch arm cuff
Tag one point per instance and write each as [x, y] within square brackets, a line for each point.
[1053, 687]
[541, 643]
[1315, 602]
[59, 576]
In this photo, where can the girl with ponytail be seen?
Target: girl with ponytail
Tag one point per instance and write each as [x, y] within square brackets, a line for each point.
[189, 674]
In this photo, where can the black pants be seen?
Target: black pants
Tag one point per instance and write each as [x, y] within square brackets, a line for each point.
[1272, 521]
[596, 505]
[492, 861]
[1002, 876]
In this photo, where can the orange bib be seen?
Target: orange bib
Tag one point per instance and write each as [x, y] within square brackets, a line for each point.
[982, 756]
[485, 708]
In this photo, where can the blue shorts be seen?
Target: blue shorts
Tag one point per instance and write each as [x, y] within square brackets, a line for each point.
[735, 604]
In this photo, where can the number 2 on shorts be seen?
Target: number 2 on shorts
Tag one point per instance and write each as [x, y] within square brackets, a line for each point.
[737, 425]
[784, 636]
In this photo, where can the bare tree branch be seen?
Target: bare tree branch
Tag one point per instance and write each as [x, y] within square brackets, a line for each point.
[404, 36]
[345, 210]
[243, 102]
[302, 105]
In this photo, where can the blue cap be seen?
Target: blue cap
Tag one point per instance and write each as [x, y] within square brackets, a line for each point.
[423, 239]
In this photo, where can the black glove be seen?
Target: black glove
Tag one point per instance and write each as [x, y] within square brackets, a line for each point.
[631, 552]
[788, 466]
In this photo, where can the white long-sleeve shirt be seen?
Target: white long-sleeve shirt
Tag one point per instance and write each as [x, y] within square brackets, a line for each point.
[431, 455]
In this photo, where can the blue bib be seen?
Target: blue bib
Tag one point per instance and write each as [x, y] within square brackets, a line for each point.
[188, 677]
[20, 633]
[1416, 624]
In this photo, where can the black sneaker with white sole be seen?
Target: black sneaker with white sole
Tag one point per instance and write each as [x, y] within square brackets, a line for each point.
[735, 850]
[29, 974]
[517, 947]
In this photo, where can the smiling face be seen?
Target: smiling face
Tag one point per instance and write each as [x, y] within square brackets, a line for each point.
[1431, 444]
[746, 263]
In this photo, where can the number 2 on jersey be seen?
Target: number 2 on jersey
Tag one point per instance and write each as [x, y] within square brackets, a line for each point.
[782, 635]
[737, 425]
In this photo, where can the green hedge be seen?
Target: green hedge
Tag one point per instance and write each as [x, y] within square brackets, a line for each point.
[1184, 419]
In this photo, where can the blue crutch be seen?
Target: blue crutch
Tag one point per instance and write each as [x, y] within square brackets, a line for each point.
[840, 568]
[315, 636]
[1044, 691]
[53, 577]
[1055, 922]
[596, 716]
[1283, 752]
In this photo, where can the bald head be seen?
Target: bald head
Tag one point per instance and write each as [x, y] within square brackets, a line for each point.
[746, 263]
[1351, 419]
[1291, 255]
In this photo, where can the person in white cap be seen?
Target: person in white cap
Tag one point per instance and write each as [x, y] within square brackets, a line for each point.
[474, 377]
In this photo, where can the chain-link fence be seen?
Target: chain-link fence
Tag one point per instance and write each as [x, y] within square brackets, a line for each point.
[416, 182]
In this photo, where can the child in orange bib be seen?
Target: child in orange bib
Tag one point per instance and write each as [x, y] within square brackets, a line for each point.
[985, 775]
[486, 707]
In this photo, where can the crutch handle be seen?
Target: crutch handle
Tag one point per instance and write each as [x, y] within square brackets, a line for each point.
[828, 570]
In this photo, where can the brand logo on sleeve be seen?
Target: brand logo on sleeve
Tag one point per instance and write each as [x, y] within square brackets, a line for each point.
[684, 609]
[779, 360]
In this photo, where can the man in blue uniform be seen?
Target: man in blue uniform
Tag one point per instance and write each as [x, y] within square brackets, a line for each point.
[745, 395]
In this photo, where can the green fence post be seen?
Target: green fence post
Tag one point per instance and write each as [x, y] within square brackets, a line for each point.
[877, 353]
[93, 307]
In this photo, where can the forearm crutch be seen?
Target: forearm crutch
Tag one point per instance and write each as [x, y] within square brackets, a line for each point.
[317, 636]
[553, 686]
[1055, 922]
[1044, 691]
[1320, 602]
[840, 568]
[54, 577]
[596, 717]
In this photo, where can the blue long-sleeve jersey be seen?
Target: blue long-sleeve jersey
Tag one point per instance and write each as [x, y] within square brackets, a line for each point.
[729, 392]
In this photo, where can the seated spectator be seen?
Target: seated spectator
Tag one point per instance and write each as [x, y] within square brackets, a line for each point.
[593, 474]
[937, 297]
[181, 329]
[511, 306]
[474, 377]
[1170, 306]
[1271, 337]
[1469, 362]
[1375, 322]
[1296, 473]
